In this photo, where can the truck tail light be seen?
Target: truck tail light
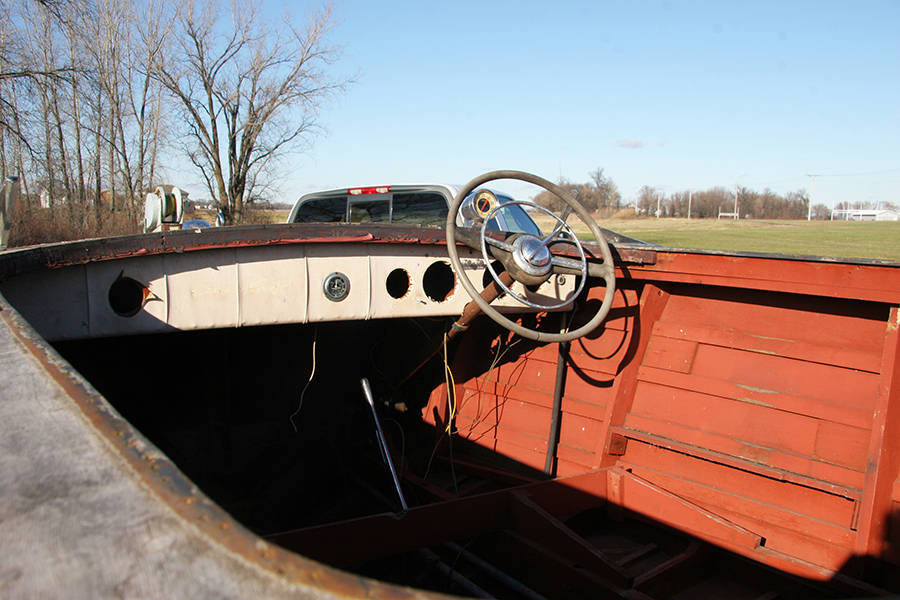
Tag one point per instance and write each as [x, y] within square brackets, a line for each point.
[385, 189]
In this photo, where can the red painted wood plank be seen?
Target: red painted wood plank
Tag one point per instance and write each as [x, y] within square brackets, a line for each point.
[669, 354]
[519, 416]
[883, 457]
[767, 458]
[781, 317]
[751, 424]
[834, 480]
[579, 432]
[590, 387]
[499, 438]
[652, 305]
[842, 445]
[758, 371]
[802, 547]
[779, 275]
[758, 487]
[635, 494]
[575, 431]
[787, 348]
[529, 450]
[589, 405]
[817, 409]
[487, 432]
[749, 513]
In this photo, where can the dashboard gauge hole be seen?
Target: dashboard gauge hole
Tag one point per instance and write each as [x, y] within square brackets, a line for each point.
[126, 296]
[398, 283]
[439, 281]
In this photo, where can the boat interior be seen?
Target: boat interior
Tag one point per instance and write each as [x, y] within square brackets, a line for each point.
[730, 430]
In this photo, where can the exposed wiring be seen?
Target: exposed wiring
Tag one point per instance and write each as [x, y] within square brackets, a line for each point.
[309, 381]
[451, 389]
[479, 393]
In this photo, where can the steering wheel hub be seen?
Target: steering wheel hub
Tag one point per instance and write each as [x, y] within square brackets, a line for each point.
[532, 256]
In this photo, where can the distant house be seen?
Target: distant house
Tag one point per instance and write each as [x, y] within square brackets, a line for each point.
[866, 215]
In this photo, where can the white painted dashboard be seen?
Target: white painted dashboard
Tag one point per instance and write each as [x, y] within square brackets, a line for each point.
[252, 285]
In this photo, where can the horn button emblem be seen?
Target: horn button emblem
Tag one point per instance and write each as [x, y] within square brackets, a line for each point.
[531, 255]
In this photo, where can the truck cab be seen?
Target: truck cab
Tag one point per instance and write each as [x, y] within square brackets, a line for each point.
[425, 204]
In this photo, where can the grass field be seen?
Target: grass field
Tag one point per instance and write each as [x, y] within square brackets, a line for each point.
[841, 239]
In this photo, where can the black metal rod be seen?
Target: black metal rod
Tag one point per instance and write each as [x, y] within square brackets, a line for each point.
[367, 390]
[507, 580]
[553, 438]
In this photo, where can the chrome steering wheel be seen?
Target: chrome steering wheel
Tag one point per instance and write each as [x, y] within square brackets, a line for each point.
[529, 259]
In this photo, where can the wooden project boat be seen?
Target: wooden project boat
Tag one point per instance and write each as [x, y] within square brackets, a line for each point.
[299, 411]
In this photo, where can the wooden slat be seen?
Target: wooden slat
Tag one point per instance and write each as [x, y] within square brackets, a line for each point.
[801, 405]
[841, 324]
[785, 347]
[699, 416]
[837, 280]
[753, 423]
[638, 495]
[831, 506]
[669, 354]
[652, 305]
[500, 438]
[669, 435]
[883, 457]
[591, 407]
[536, 524]
[842, 445]
[831, 479]
[846, 387]
[762, 517]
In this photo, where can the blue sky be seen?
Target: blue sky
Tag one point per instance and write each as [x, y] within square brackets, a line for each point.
[672, 94]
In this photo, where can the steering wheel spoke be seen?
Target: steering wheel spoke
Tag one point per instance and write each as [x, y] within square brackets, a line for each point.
[529, 258]
[569, 264]
[500, 244]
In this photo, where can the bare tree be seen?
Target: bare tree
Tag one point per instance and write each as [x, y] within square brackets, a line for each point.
[647, 200]
[247, 93]
[606, 189]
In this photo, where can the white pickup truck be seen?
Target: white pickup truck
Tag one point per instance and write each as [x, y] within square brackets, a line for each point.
[425, 204]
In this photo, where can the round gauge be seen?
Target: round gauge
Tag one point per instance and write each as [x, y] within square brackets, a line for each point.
[485, 201]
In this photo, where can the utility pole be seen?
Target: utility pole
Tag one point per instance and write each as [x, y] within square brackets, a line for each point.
[735, 201]
[812, 180]
[690, 199]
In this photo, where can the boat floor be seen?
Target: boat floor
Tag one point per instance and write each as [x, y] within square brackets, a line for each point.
[546, 539]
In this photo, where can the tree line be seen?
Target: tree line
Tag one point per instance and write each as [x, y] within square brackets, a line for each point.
[99, 97]
[601, 195]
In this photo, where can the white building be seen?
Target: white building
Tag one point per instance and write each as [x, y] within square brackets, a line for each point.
[865, 215]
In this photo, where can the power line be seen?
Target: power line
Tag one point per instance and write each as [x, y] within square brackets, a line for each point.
[856, 174]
